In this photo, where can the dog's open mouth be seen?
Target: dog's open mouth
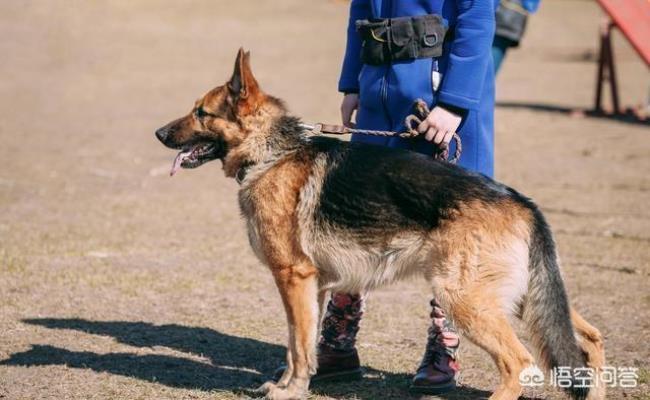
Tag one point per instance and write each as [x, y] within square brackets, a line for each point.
[194, 155]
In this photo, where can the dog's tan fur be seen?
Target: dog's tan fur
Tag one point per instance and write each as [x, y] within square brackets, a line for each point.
[476, 261]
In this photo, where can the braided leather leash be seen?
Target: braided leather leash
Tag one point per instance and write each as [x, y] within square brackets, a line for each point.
[411, 122]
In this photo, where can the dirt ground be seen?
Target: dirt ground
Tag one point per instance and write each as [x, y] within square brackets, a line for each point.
[117, 282]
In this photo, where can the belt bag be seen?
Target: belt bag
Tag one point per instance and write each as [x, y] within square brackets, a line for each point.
[511, 19]
[387, 40]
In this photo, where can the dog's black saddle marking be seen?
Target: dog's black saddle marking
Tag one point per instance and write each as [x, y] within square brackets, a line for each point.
[383, 190]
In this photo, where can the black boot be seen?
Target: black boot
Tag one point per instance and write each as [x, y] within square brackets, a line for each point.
[437, 371]
[338, 359]
[333, 366]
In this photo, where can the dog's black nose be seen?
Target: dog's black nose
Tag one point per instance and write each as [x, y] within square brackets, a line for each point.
[161, 134]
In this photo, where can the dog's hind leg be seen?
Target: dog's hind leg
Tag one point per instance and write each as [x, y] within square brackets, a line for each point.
[590, 341]
[483, 321]
[298, 286]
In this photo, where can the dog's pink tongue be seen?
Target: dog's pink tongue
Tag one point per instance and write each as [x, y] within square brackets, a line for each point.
[178, 161]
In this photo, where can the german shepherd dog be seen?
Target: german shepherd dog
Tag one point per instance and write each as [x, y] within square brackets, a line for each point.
[325, 214]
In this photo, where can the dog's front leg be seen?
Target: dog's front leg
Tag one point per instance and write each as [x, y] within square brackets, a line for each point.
[288, 373]
[298, 286]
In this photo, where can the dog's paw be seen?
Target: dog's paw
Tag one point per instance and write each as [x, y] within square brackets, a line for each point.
[266, 387]
[286, 393]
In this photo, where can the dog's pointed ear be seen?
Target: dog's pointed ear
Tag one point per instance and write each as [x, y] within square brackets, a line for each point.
[242, 84]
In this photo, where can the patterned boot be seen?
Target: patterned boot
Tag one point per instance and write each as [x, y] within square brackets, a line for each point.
[438, 368]
[337, 357]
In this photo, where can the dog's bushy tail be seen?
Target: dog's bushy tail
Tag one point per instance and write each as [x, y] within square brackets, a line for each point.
[548, 315]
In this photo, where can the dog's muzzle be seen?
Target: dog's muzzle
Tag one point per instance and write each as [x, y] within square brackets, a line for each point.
[162, 134]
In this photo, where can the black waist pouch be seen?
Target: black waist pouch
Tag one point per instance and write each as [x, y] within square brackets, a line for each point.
[387, 40]
[511, 18]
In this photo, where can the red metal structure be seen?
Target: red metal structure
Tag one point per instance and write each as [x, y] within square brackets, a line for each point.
[632, 18]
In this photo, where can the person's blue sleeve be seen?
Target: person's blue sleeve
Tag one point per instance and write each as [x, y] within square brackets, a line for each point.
[531, 5]
[469, 56]
[349, 80]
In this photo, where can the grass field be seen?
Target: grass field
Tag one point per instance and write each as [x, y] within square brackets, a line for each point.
[117, 282]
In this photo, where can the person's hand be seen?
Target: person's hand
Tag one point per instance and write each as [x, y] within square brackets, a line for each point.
[440, 125]
[349, 105]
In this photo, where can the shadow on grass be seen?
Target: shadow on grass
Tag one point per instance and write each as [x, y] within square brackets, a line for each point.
[232, 363]
[627, 116]
[381, 385]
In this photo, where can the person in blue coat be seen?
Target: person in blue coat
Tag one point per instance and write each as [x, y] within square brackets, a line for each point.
[511, 21]
[459, 85]
[459, 88]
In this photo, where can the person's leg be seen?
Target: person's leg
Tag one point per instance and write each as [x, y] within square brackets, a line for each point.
[499, 49]
[337, 355]
[341, 322]
[438, 367]
[439, 364]
[437, 370]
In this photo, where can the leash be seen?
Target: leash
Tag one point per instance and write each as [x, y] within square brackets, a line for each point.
[411, 123]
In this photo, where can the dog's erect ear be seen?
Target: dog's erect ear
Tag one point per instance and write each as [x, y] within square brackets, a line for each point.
[242, 84]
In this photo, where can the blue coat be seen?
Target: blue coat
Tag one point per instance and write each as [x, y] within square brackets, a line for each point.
[387, 92]
[530, 5]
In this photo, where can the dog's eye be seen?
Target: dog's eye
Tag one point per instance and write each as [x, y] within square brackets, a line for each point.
[200, 112]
